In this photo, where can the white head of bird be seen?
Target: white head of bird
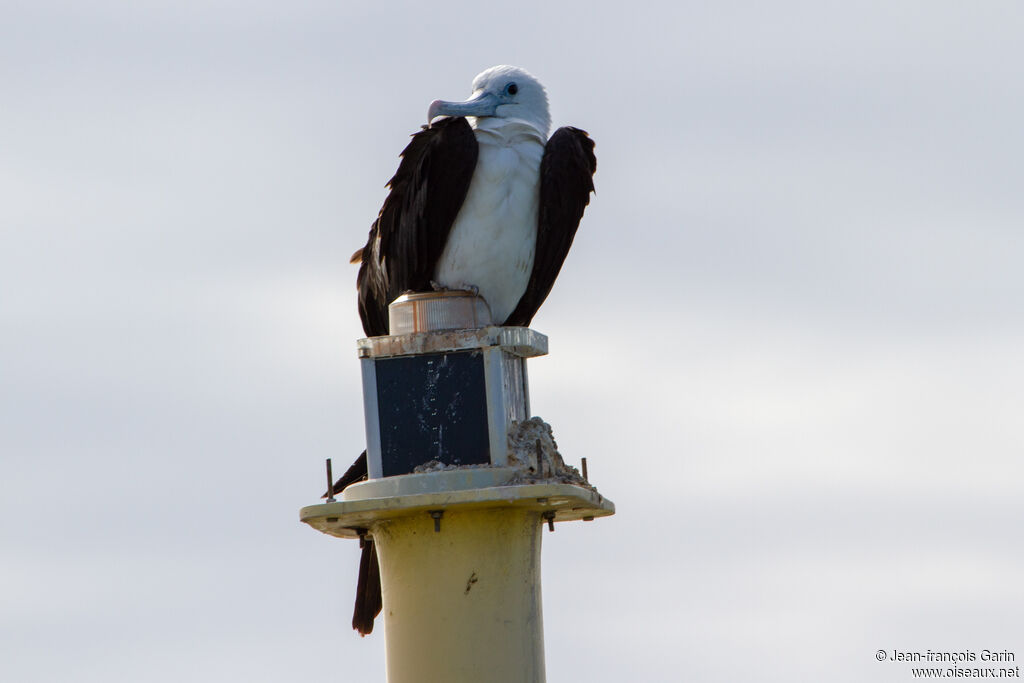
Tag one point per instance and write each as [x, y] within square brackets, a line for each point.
[501, 92]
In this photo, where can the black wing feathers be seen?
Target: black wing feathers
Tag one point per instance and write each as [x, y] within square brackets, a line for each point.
[566, 181]
[412, 227]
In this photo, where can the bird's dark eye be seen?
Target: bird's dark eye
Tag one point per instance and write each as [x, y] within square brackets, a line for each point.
[511, 88]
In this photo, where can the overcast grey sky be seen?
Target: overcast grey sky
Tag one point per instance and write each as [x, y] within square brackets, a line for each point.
[789, 338]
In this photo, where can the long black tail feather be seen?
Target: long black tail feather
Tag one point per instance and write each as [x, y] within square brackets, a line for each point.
[368, 597]
[368, 589]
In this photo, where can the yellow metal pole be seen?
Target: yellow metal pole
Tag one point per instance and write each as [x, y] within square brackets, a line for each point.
[463, 604]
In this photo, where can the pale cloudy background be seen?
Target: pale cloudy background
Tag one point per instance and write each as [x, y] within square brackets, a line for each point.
[789, 338]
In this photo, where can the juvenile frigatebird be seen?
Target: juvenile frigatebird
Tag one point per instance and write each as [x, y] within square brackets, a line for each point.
[483, 200]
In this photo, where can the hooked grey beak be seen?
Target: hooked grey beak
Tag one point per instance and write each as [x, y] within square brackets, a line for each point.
[481, 104]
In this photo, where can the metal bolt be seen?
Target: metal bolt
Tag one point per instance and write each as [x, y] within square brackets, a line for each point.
[550, 517]
[437, 514]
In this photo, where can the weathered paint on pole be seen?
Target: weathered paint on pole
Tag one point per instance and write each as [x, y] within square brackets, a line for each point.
[463, 604]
